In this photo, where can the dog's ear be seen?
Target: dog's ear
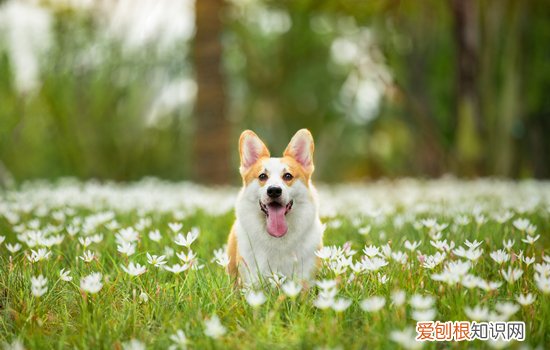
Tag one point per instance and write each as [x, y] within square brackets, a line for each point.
[251, 148]
[301, 149]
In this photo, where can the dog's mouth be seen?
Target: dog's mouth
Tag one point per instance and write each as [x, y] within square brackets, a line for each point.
[275, 214]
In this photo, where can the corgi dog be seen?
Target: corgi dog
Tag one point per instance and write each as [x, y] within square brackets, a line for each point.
[277, 227]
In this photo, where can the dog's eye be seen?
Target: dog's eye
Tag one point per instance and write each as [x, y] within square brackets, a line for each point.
[287, 176]
[262, 177]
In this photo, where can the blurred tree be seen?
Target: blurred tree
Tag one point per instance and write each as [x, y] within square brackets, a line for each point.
[213, 130]
[468, 144]
[388, 88]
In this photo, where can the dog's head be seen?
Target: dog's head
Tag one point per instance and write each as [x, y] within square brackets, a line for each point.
[277, 184]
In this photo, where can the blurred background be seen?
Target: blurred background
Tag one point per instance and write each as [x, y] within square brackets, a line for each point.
[132, 88]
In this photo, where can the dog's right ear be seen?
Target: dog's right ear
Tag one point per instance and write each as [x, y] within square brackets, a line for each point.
[251, 148]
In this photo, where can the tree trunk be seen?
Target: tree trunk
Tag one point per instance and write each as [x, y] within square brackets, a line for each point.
[469, 148]
[212, 134]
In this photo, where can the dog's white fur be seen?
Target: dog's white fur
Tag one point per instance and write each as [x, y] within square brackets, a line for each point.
[292, 255]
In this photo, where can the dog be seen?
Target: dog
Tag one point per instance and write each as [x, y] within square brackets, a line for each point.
[277, 228]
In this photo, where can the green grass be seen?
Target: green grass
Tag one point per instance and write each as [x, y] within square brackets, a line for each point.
[66, 317]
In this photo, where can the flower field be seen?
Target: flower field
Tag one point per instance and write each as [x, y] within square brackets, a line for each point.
[102, 265]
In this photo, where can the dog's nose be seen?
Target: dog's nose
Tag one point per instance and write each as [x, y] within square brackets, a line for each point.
[274, 191]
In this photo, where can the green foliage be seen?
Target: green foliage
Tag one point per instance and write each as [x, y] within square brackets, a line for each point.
[91, 117]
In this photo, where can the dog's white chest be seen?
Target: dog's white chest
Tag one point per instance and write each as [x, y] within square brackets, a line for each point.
[292, 256]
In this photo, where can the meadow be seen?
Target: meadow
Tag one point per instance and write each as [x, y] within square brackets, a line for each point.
[92, 265]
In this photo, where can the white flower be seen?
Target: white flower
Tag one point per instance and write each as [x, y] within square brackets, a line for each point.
[326, 284]
[480, 219]
[85, 241]
[87, 256]
[72, 230]
[436, 235]
[340, 304]
[386, 251]
[418, 301]
[543, 268]
[500, 256]
[474, 254]
[528, 260]
[127, 248]
[39, 285]
[470, 254]
[143, 297]
[175, 226]
[508, 244]
[383, 279]
[169, 252]
[255, 299]
[179, 339]
[398, 297]
[406, 338]
[187, 258]
[91, 283]
[155, 260]
[373, 264]
[127, 235]
[512, 275]
[324, 253]
[429, 223]
[221, 258]
[462, 220]
[400, 257]
[13, 248]
[472, 245]
[503, 217]
[276, 279]
[133, 344]
[507, 309]
[155, 235]
[453, 272]
[530, 239]
[470, 281]
[177, 268]
[443, 245]
[371, 251]
[412, 246]
[323, 302]
[213, 328]
[65, 275]
[97, 238]
[423, 315]
[487, 285]
[431, 261]
[291, 288]
[543, 283]
[2, 239]
[16, 344]
[357, 267]
[373, 304]
[187, 240]
[365, 230]
[340, 265]
[521, 224]
[134, 269]
[477, 313]
[40, 254]
[525, 299]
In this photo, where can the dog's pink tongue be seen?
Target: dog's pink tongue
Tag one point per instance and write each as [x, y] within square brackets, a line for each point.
[276, 222]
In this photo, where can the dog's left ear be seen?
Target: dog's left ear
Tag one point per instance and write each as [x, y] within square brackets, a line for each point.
[301, 149]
